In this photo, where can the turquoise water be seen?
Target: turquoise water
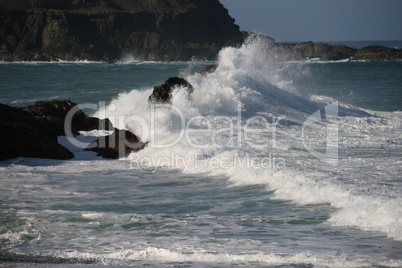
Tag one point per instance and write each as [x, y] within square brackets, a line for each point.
[370, 85]
[24, 83]
[231, 203]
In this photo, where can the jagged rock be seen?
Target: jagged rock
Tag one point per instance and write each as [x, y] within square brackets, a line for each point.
[378, 53]
[167, 30]
[22, 134]
[208, 69]
[163, 93]
[53, 113]
[117, 145]
[92, 123]
[32, 131]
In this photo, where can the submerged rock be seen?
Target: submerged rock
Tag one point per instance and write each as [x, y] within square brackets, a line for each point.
[117, 145]
[163, 93]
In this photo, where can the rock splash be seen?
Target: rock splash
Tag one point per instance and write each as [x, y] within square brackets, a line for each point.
[119, 144]
[163, 93]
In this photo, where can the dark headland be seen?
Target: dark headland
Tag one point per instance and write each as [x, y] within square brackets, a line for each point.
[155, 30]
[103, 30]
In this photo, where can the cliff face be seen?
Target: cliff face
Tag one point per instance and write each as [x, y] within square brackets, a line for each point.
[105, 29]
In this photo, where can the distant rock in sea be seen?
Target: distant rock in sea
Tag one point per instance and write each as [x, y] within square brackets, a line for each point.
[310, 50]
[104, 30]
[282, 51]
[378, 53]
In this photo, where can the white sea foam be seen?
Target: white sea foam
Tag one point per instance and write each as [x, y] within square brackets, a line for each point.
[52, 62]
[245, 85]
[257, 258]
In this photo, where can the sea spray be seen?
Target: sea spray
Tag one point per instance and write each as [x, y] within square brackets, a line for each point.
[219, 205]
[249, 86]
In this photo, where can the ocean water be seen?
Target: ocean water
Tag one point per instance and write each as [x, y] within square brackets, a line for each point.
[267, 164]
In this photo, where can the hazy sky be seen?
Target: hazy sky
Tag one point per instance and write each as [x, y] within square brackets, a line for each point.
[320, 20]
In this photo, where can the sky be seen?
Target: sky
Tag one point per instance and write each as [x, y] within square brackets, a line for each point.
[319, 20]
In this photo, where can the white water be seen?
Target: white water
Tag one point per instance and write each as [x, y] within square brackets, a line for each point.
[366, 189]
[227, 179]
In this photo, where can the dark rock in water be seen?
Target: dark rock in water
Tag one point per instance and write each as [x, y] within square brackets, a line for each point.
[322, 51]
[163, 93]
[339, 52]
[310, 50]
[92, 123]
[54, 113]
[378, 53]
[32, 131]
[117, 145]
[208, 69]
[163, 30]
[24, 135]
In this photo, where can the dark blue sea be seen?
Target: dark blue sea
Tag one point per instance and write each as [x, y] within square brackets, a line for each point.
[294, 164]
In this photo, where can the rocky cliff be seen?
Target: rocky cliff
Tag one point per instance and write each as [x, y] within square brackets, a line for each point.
[165, 30]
